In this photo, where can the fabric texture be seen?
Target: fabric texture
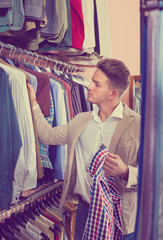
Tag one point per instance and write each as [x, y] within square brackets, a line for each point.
[25, 174]
[14, 19]
[77, 24]
[43, 89]
[104, 217]
[10, 141]
[44, 149]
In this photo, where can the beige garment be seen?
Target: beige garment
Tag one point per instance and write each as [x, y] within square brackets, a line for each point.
[22, 233]
[125, 142]
[57, 219]
[70, 219]
[27, 26]
[43, 227]
[45, 220]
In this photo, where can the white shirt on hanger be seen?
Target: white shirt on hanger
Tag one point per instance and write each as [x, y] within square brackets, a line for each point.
[25, 174]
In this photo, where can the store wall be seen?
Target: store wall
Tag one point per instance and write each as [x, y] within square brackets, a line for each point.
[124, 22]
[124, 25]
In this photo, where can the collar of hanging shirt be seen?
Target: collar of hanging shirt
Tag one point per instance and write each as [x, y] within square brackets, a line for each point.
[93, 136]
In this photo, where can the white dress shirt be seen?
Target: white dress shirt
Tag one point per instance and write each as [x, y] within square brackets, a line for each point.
[25, 174]
[89, 142]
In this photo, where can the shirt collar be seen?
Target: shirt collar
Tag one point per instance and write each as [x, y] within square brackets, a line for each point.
[117, 113]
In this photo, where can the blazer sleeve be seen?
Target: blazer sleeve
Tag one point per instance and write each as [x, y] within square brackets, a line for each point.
[132, 178]
[47, 134]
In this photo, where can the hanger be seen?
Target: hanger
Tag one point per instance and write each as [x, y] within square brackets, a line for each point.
[33, 210]
[11, 47]
[28, 213]
[15, 217]
[22, 217]
[7, 64]
[1, 43]
[12, 55]
[46, 61]
[26, 52]
[30, 57]
[34, 63]
[37, 207]
[21, 52]
[11, 222]
[3, 233]
[46, 202]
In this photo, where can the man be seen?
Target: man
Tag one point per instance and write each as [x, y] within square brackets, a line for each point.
[113, 125]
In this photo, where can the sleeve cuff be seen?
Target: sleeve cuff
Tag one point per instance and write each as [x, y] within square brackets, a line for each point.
[132, 178]
[36, 106]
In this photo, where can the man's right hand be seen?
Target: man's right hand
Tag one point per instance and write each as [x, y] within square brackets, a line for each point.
[32, 94]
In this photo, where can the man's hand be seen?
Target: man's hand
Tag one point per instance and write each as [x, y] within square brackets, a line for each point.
[114, 166]
[32, 94]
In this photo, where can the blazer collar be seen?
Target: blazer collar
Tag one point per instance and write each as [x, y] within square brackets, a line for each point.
[121, 127]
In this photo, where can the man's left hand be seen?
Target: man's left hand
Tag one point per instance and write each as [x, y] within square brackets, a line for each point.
[114, 166]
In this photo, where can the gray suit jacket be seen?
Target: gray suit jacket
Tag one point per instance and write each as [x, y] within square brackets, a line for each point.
[125, 143]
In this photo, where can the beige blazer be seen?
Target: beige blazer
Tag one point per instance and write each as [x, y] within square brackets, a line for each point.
[125, 143]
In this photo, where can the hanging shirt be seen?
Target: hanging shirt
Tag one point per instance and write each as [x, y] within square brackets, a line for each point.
[88, 144]
[25, 175]
[58, 158]
[68, 91]
[44, 149]
[43, 89]
[10, 141]
[104, 216]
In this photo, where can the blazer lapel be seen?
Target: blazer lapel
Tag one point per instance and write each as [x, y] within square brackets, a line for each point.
[82, 123]
[120, 129]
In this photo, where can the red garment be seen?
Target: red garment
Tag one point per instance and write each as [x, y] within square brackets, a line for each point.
[43, 90]
[68, 90]
[77, 24]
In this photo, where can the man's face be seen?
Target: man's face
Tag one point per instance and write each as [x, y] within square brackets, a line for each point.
[99, 90]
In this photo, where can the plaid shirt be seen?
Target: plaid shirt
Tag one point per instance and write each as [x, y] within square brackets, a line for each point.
[104, 217]
[44, 149]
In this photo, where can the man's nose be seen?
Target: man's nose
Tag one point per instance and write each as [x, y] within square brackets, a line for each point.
[89, 86]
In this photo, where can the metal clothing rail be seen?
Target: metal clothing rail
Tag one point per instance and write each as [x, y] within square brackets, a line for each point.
[33, 197]
[148, 5]
[59, 65]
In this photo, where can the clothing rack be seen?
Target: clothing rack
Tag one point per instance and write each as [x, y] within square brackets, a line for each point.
[30, 199]
[37, 59]
[148, 5]
[37, 210]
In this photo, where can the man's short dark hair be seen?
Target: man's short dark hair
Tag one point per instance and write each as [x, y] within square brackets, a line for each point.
[117, 72]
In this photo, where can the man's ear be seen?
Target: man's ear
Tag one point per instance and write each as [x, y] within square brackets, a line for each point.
[114, 94]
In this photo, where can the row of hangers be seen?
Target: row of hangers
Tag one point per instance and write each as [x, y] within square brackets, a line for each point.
[22, 55]
[33, 206]
[52, 187]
